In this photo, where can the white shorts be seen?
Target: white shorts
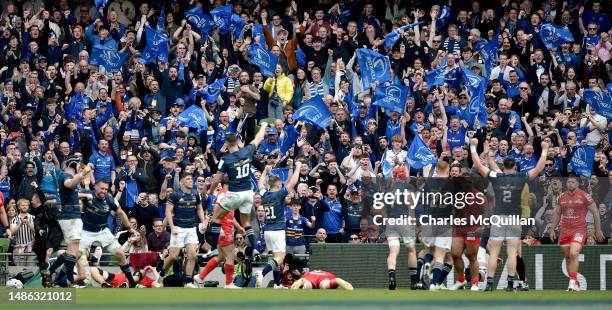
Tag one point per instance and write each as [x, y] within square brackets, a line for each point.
[439, 237]
[407, 233]
[104, 236]
[184, 236]
[72, 229]
[275, 241]
[506, 232]
[232, 201]
[438, 242]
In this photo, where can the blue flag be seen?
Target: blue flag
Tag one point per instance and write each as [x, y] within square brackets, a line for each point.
[394, 35]
[156, 48]
[314, 111]
[74, 109]
[282, 173]
[582, 160]
[374, 67]
[419, 154]
[181, 70]
[193, 117]
[477, 86]
[553, 35]
[101, 4]
[161, 21]
[300, 57]
[435, 77]
[200, 21]
[257, 31]
[222, 18]
[489, 53]
[445, 13]
[211, 92]
[262, 58]
[600, 101]
[108, 57]
[392, 98]
[237, 25]
[288, 138]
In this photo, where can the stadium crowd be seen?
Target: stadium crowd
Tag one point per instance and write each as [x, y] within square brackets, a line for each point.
[124, 119]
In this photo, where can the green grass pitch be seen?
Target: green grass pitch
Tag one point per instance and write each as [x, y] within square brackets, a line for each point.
[244, 299]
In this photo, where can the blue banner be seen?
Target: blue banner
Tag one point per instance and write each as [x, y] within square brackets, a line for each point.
[435, 77]
[477, 86]
[74, 109]
[222, 18]
[264, 59]
[392, 98]
[282, 173]
[582, 160]
[288, 138]
[374, 67]
[419, 154]
[161, 21]
[108, 57]
[257, 31]
[300, 57]
[200, 21]
[193, 117]
[445, 13]
[314, 111]
[211, 92]
[553, 35]
[156, 48]
[237, 25]
[600, 101]
[100, 4]
[394, 35]
[489, 53]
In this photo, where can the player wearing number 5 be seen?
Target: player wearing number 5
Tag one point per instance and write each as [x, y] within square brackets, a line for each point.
[508, 188]
[236, 164]
[273, 200]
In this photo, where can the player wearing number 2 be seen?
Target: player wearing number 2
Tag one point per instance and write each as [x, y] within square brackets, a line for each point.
[237, 165]
[273, 201]
[508, 188]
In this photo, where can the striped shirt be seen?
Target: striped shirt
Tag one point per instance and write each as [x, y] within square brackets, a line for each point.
[316, 89]
[232, 83]
[24, 235]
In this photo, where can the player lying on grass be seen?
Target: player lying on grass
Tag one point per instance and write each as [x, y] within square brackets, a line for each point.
[322, 280]
[146, 278]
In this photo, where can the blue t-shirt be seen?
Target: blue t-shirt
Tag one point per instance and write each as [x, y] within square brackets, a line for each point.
[295, 230]
[332, 219]
[104, 164]
[185, 208]
[455, 139]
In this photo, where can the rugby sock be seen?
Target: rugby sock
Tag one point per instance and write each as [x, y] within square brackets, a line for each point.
[128, 274]
[437, 273]
[215, 230]
[276, 274]
[511, 281]
[413, 275]
[420, 263]
[60, 279]
[250, 236]
[210, 266]
[446, 269]
[267, 268]
[428, 258]
[573, 276]
[188, 279]
[475, 282]
[461, 278]
[229, 273]
[520, 268]
[490, 281]
[392, 273]
[58, 262]
[69, 267]
[468, 274]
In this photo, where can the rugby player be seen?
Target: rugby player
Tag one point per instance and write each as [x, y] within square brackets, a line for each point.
[508, 188]
[571, 210]
[322, 280]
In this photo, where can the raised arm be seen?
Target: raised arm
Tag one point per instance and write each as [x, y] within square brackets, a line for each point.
[290, 186]
[484, 171]
[261, 183]
[261, 135]
[533, 173]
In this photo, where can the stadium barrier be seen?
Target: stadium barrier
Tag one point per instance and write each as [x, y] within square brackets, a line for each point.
[365, 266]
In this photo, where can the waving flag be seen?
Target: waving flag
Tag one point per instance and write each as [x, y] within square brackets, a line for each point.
[237, 25]
[108, 57]
[211, 92]
[374, 67]
[489, 53]
[553, 35]
[477, 86]
[262, 58]
[257, 31]
[222, 18]
[300, 57]
[392, 98]
[392, 36]
[445, 13]
[161, 21]
[314, 111]
[282, 173]
[600, 101]
[419, 154]
[156, 48]
[200, 21]
[101, 4]
[435, 77]
[288, 138]
[582, 160]
[193, 117]
[74, 109]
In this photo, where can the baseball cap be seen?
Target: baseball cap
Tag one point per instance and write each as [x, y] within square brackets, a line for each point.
[28, 106]
[179, 102]
[363, 106]
[271, 131]
[40, 58]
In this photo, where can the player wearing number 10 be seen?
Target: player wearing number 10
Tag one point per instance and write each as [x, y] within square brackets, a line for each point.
[508, 188]
[273, 201]
[237, 165]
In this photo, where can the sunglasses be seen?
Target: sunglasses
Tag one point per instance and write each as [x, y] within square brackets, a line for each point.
[354, 238]
[549, 165]
[436, 41]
